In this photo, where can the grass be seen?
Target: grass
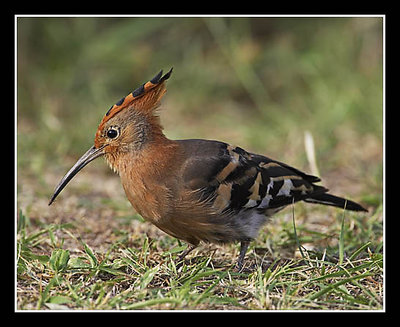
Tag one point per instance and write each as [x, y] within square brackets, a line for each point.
[260, 83]
[143, 273]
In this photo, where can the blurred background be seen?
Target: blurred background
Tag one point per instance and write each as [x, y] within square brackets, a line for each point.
[255, 82]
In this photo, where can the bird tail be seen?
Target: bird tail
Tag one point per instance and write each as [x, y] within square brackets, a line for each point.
[333, 200]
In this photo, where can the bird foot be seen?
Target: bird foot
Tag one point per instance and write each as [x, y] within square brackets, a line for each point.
[179, 261]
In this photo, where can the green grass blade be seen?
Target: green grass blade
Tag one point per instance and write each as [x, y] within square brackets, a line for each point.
[150, 303]
[45, 294]
[347, 272]
[359, 250]
[341, 237]
[59, 260]
[295, 234]
[92, 258]
[148, 277]
[333, 286]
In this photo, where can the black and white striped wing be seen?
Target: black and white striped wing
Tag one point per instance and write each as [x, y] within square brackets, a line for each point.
[234, 179]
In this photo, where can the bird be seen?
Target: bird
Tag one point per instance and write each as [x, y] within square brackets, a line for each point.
[196, 190]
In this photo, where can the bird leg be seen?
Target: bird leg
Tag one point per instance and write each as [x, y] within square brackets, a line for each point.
[243, 248]
[189, 249]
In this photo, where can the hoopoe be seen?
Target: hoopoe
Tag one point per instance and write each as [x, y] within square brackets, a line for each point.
[195, 190]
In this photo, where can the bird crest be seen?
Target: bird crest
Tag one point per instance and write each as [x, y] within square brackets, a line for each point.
[145, 98]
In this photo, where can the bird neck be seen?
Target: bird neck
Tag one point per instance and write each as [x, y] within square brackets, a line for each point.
[146, 177]
[152, 161]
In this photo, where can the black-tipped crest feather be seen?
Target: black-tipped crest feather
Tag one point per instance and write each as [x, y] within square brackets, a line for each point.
[156, 78]
[142, 89]
[166, 76]
[138, 91]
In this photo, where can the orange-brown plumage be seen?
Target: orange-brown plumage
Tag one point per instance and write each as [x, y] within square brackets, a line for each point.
[195, 190]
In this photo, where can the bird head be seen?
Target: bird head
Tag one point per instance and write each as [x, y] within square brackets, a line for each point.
[128, 126]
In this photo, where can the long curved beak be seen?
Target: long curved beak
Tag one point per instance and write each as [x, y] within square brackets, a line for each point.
[89, 156]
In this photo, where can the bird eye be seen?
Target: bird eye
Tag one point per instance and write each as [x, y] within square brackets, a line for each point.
[112, 133]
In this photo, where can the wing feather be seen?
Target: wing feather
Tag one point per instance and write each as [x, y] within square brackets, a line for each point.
[232, 179]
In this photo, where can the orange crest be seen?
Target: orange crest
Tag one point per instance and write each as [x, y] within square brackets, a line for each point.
[145, 98]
